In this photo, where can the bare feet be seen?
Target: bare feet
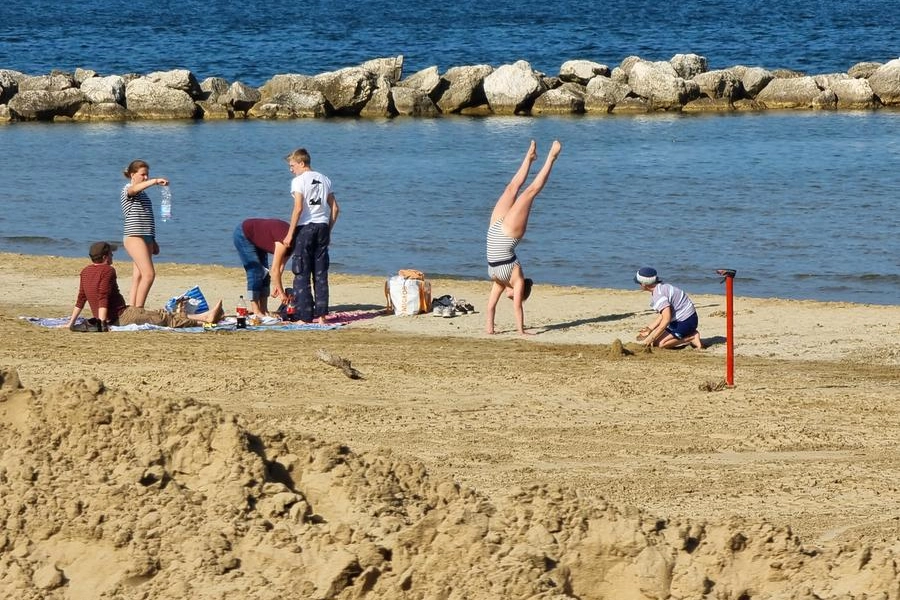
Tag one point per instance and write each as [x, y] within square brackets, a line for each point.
[555, 149]
[696, 342]
[217, 313]
[532, 151]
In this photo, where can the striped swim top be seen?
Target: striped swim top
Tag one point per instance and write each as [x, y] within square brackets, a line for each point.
[137, 211]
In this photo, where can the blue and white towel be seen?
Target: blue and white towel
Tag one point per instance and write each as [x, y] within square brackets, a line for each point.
[228, 324]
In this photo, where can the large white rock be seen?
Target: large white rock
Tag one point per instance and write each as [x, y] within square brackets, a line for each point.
[885, 82]
[100, 90]
[512, 88]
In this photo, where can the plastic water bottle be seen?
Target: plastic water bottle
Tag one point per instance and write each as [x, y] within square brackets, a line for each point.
[165, 206]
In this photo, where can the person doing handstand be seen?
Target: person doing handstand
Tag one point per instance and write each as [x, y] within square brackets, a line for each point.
[508, 222]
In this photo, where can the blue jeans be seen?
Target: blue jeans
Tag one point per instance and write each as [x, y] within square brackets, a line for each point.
[256, 264]
[311, 261]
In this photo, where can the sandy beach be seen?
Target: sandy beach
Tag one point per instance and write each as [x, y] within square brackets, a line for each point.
[571, 463]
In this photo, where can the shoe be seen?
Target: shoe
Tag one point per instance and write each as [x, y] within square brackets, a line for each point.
[445, 300]
[438, 310]
[89, 326]
[463, 307]
[449, 312]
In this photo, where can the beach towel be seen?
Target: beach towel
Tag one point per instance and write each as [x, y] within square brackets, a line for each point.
[336, 321]
[227, 324]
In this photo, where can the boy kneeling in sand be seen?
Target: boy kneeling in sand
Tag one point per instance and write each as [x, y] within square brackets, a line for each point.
[676, 324]
[99, 288]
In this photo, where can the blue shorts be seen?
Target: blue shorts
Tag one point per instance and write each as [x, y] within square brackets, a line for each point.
[148, 239]
[683, 329]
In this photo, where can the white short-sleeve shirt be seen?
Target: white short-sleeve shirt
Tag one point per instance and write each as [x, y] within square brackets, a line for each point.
[315, 188]
[666, 294]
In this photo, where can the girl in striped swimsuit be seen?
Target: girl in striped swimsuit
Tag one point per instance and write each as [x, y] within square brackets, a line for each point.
[507, 227]
[140, 229]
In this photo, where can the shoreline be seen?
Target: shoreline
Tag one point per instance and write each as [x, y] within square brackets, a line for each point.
[559, 315]
[463, 279]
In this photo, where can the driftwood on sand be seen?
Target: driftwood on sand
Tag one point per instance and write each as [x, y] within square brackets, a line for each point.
[339, 362]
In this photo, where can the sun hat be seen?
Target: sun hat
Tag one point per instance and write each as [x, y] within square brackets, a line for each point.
[646, 276]
[101, 249]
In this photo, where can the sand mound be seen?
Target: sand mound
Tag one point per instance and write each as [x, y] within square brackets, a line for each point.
[108, 495]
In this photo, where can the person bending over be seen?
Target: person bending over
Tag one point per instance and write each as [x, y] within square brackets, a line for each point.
[255, 240]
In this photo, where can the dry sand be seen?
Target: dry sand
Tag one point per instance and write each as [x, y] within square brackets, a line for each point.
[567, 464]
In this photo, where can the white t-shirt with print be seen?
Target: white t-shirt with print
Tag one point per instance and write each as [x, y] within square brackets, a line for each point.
[315, 188]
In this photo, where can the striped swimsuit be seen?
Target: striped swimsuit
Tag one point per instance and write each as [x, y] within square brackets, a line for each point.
[501, 253]
[138, 213]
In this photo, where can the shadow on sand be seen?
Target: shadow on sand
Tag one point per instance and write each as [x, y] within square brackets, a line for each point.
[577, 322]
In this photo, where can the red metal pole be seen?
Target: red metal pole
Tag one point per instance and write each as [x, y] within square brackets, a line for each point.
[729, 331]
[728, 278]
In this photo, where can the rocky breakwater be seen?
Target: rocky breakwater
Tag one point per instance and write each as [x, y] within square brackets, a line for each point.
[377, 89]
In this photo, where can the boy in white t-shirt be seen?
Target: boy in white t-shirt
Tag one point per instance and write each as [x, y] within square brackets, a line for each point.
[676, 324]
[309, 232]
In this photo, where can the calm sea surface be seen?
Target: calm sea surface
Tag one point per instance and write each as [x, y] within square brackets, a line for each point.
[803, 205]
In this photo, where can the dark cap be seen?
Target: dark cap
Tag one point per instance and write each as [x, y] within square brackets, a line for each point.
[101, 249]
[646, 276]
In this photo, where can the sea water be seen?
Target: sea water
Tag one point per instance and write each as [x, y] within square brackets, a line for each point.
[252, 40]
[802, 205]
